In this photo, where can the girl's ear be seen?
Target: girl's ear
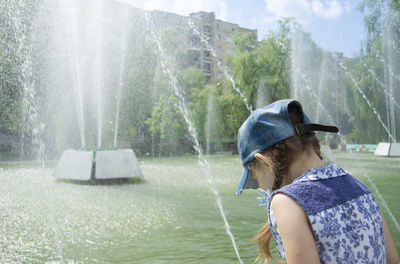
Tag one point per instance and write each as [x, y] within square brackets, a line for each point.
[266, 160]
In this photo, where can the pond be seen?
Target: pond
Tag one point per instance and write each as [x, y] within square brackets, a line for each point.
[172, 217]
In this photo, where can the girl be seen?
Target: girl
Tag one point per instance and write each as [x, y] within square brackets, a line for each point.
[317, 213]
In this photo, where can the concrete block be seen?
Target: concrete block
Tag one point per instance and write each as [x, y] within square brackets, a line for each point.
[388, 149]
[394, 149]
[75, 165]
[117, 164]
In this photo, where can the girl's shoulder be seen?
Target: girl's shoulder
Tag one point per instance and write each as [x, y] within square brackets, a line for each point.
[294, 229]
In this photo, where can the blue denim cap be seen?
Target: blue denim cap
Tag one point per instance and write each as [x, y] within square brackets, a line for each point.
[264, 128]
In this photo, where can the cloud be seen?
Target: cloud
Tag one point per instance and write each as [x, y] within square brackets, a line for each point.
[304, 10]
[347, 7]
[331, 9]
[183, 7]
[299, 9]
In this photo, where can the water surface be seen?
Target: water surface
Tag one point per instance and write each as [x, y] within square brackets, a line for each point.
[170, 218]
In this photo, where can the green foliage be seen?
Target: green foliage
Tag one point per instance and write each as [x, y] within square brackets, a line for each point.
[17, 20]
[168, 126]
[367, 126]
[286, 62]
[233, 112]
[374, 73]
[172, 43]
[266, 64]
[396, 5]
[372, 10]
[190, 79]
[376, 15]
[244, 42]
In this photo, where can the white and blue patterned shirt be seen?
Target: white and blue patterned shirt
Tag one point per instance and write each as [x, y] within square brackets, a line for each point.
[343, 213]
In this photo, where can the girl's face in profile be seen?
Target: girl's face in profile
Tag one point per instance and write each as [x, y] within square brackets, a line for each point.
[261, 170]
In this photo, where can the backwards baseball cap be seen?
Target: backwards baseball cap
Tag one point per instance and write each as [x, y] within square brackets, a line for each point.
[267, 126]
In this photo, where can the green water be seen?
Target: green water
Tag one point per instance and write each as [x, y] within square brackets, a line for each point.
[171, 218]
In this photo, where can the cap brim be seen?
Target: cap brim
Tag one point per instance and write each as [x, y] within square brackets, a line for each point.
[246, 182]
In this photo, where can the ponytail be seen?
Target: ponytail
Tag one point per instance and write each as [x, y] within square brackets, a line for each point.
[263, 239]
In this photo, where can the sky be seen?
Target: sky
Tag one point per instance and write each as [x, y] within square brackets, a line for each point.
[335, 25]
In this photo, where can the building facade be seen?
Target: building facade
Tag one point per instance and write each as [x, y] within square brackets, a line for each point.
[208, 41]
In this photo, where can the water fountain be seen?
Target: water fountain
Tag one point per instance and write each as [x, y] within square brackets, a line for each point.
[391, 148]
[173, 82]
[98, 58]
[87, 36]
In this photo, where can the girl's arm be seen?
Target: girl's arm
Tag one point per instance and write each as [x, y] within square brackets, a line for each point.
[391, 253]
[297, 237]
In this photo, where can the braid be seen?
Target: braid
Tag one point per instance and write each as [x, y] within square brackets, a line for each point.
[316, 147]
[280, 162]
[283, 152]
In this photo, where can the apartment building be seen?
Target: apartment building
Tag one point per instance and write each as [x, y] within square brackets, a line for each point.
[208, 41]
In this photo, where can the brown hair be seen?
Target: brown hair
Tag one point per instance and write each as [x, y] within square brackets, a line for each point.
[282, 155]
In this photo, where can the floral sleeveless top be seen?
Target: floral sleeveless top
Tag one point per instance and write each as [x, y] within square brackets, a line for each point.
[343, 213]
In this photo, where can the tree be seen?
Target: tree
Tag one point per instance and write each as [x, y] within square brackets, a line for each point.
[374, 74]
[169, 127]
[18, 108]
